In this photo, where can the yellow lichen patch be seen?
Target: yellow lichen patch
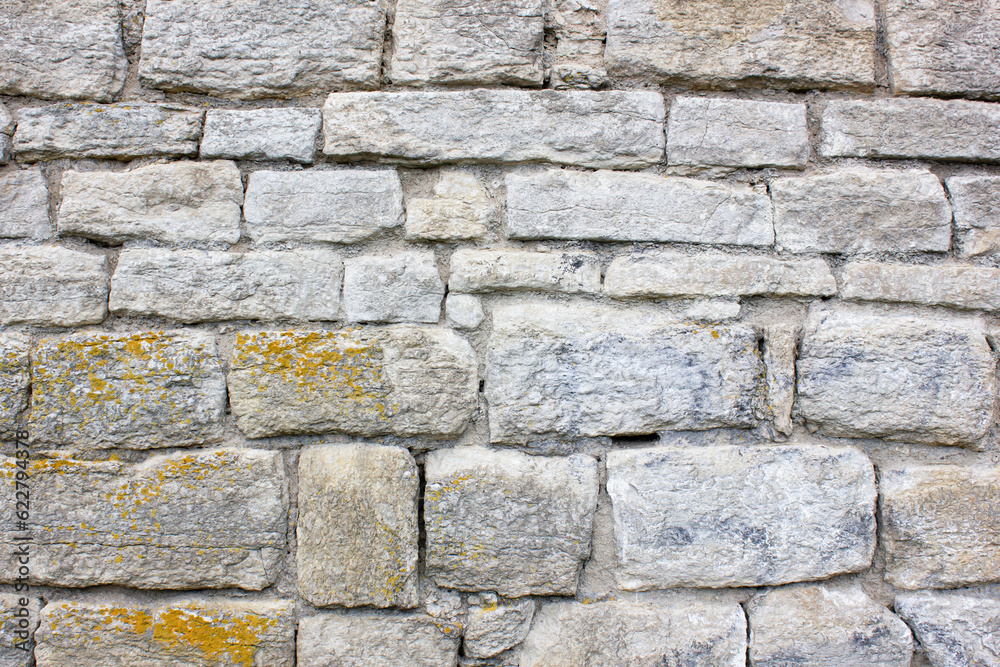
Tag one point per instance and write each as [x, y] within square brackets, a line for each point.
[225, 639]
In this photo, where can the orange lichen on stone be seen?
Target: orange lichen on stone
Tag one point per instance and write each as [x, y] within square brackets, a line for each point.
[222, 638]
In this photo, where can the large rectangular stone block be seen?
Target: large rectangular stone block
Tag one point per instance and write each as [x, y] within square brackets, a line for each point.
[956, 285]
[24, 205]
[474, 270]
[135, 391]
[367, 640]
[586, 370]
[52, 286]
[401, 287]
[740, 516]
[610, 206]
[206, 519]
[402, 380]
[610, 129]
[975, 201]
[261, 134]
[955, 630]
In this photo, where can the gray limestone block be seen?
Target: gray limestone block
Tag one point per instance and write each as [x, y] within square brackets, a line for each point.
[956, 285]
[261, 134]
[463, 311]
[24, 205]
[579, 28]
[938, 524]
[15, 381]
[573, 370]
[20, 614]
[609, 129]
[610, 206]
[399, 287]
[120, 131]
[52, 286]
[780, 345]
[857, 209]
[62, 49]
[403, 380]
[736, 133]
[210, 286]
[508, 522]
[7, 124]
[725, 43]
[357, 526]
[176, 202]
[474, 270]
[457, 210]
[740, 515]
[910, 378]
[204, 519]
[135, 391]
[496, 625]
[340, 206]
[367, 640]
[975, 201]
[493, 42]
[261, 48]
[955, 629]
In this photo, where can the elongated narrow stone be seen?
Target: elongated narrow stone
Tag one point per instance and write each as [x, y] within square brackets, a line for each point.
[24, 205]
[955, 630]
[780, 345]
[52, 286]
[261, 134]
[15, 381]
[367, 640]
[474, 270]
[956, 285]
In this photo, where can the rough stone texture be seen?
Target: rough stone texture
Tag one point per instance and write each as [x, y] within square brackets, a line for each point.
[496, 42]
[24, 205]
[175, 202]
[52, 286]
[343, 206]
[208, 286]
[357, 526]
[817, 625]
[609, 206]
[135, 391]
[740, 516]
[402, 380]
[205, 519]
[956, 285]
[18, 630]
[912, 378]
[975, 201]
[631, 634]
[401, 287]
[261, 48]
[6, 149]
[261, 134]
[366, 640]
[7, 124]
[955, 630]
[15, 381]
[716, 274]
[507, 522]
[939, 525]
[121, 131]
[194, 633]
[911, 128]
[579, 27]
[780, 344]
[736, 133]
[611, 129]
[474, 270]
[943, 47]
[495, 626]
[62, 49]
[458, 210]
[857, 209]
[463, 311]
[589, 370]
[732, 42]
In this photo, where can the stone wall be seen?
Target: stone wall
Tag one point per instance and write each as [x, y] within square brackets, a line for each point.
[647, 333]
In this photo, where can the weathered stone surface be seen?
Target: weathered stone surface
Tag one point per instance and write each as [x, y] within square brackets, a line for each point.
[357, 526]
[610, 129]
[135, 391]
[716, 274]
[205, 519]
[862, 210]
[955, 630]
[900, 377]
[122, 131]
[943, 47]
[261, 134]
[957, 285]
[507, 522]
[817, 625]
[15, 381]
[911, 128]
[62, 49]
[401, 287]
[631, 634]
[780, 344]
[342, 206]
[6, 149]
[458, 210]
[261, 48]
[975, 201]
[740, 516]
[488, 43]
[609, 206]
[7, 124]
[20, 614]
[175, 202]
[208, 286]
[463, 311]
[24, 205]
[474, 270]
[496, 626]
[736, 133]
[729, 42]
[195, 633]
[579, 27]
[52, 286]
[366, 640]
[939, 525]
[588, 370]
[403, 380]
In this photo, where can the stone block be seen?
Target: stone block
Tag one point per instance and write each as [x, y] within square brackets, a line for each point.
[24, 205]
[400, 287]
[367, 640]
[15, 382]
[474, 270]
[957, 285]
[975, 201]
[261, 134]
[458, 210]
[780, 345]
[6, 149]
[955, 630]
[463, 311]
[52, 286]
[21, 613]
[497, 625]
[580, 29]
[7, 124]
